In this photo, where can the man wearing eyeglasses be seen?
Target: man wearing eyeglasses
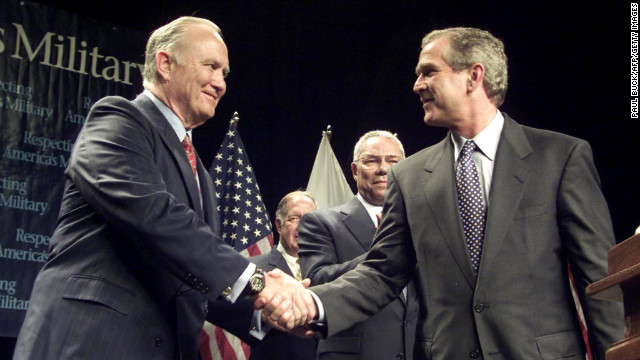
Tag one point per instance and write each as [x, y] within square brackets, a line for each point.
[334, 241]
[278, 344]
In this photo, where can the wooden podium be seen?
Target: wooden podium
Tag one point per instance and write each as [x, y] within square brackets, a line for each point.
[623, 284]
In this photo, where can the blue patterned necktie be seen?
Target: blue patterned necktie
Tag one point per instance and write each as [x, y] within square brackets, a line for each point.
[472, 210]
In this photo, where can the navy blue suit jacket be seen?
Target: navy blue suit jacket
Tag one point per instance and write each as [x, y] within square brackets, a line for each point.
[135, 257]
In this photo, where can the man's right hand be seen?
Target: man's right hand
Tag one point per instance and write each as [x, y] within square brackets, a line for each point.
[285, 302]
[301, 331]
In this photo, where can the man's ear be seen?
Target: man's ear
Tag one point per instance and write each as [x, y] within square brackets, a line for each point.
[476, 77]
[164, 63]
[354, 171]
[278, 225]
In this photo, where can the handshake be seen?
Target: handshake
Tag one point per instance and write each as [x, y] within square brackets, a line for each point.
[286, 303]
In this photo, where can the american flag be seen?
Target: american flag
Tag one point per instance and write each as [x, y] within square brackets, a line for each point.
[244, 224]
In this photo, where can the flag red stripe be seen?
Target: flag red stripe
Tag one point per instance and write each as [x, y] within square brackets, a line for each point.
[246, 348]
[581, 320]
[205, 351]
[226, 350]
[254, 250]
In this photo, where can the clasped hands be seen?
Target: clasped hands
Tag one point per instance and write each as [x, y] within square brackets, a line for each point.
[286, 303]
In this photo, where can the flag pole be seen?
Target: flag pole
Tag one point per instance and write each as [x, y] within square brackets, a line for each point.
[235, 118]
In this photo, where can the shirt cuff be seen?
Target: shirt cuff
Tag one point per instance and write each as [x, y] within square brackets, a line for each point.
[321, 317]
[241, 283]
[258, 328]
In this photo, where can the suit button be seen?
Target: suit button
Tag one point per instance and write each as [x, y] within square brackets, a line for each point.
[400, 356]
[206, 310]
[479, 308]
[158, 342]
[474, 354]
[406, 323]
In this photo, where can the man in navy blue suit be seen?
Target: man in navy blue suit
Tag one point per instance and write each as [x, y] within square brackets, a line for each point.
[136, 258]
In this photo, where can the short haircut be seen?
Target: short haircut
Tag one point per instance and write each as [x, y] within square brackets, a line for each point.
[357, 150]
[469, 46]
[169, 38]
[281, 210]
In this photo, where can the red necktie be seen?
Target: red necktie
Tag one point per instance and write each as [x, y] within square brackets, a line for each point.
[191, 155]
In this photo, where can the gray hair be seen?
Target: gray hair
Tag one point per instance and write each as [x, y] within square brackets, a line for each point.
[357, 150]
[169, 38]
[469, 46]
[281, 210]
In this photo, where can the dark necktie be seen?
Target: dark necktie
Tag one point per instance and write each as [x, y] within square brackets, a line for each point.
[472, 210]
[191, 155]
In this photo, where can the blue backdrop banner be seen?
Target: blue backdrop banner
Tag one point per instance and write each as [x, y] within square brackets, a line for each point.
[53, 66]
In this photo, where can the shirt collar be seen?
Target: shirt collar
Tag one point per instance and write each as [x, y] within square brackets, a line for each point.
[371, 209]
[171, 117]
[486, 141]
[292, 261]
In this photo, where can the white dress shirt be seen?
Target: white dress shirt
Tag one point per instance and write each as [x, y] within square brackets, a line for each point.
[292, 261]
[485, 155]
[373, 210]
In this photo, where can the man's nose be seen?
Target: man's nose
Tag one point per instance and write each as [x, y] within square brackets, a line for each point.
[420, 84]
[384, 166]
[219, 83]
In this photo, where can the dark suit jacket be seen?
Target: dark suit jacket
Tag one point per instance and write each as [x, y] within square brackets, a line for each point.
[277, 344]
[545, 211]
[333, 242]
[134, 257]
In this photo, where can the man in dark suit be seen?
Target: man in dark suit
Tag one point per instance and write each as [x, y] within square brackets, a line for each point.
[277, 344]
[135, 257]
[492, 216]
[334, 241]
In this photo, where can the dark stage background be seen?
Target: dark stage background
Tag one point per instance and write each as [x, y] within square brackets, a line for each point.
[297, 66]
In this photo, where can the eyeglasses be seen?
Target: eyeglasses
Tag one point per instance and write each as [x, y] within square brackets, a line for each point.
[293, 219]
[374, 162]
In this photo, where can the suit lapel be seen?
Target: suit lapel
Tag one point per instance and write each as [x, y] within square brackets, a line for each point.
[439, 188]
[170, 139]
[209, 202]
[510, 174]
[277, 261]
[359, 223]
[357, 220]
[412, 292]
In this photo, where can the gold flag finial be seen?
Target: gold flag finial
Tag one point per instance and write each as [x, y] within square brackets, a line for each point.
[328, 132]
[235, 117]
